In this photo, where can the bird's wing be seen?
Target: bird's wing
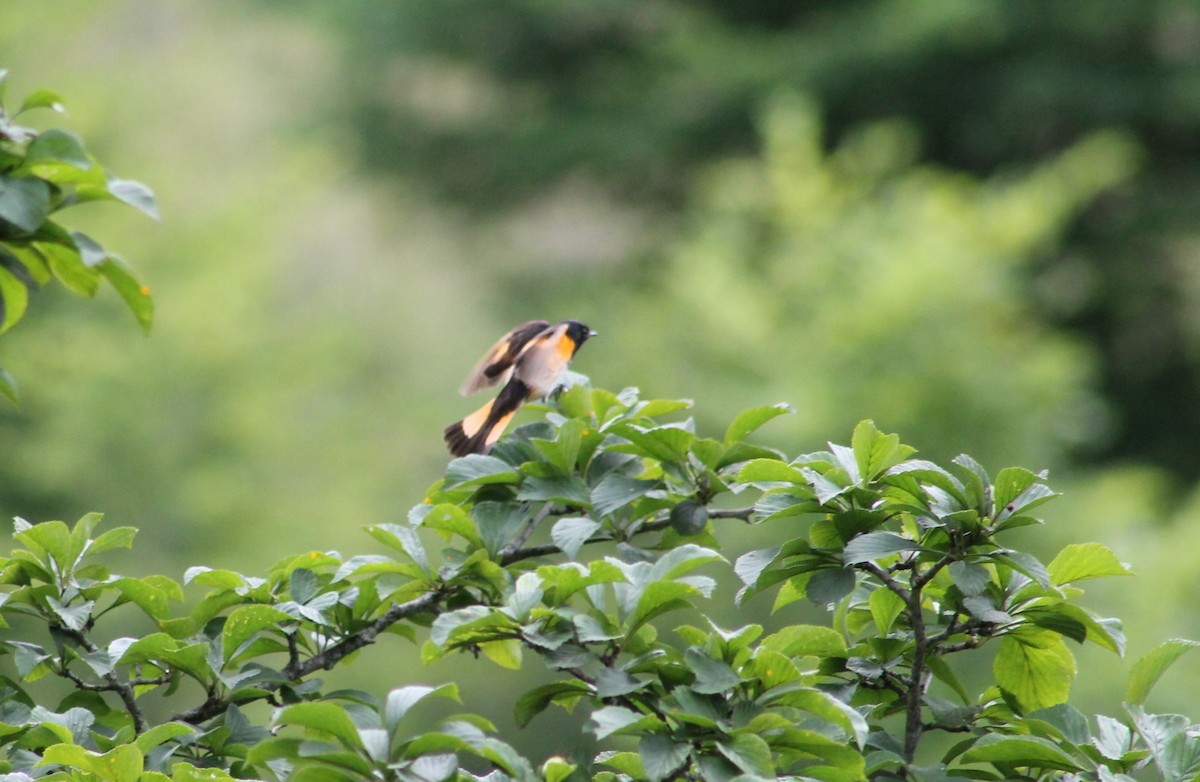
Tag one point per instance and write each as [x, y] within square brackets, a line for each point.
[497, 362]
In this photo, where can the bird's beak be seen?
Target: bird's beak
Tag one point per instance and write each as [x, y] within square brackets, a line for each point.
[593, 333]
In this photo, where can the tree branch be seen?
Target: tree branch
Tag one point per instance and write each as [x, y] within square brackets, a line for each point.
[123, 690]
[297, 669]
[913, 726]
[518, 541]
[891, 583]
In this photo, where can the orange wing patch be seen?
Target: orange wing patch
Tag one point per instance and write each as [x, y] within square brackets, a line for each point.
[496, 363]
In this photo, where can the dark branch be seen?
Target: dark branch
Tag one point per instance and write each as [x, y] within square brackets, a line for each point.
[518, 541]
[297, 669]
[123, 690]
[891, 583]
[364, 637]
[730, 513]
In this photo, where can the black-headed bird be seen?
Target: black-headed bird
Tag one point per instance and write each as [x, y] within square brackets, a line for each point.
[530, 360]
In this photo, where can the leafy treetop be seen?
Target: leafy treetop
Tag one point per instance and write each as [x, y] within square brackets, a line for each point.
[907, 556]
[42, 174]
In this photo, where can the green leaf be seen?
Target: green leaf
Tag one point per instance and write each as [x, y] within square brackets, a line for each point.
[875, 545]
[1179, 758]
[402, 699]
[555, 769]
[712, 676]
[661, 756]
[683, 559]
[608, 720]
[801, 640]
[1013, 512]
[160, 734]
[206, 576]
[135, 295]
[245, 621]
[92, 253]
[885, 606]
[165, 651]
[1024, 563]
[66, 263]
[576, 402]
[14, 298]
[665, 443]
[24, 202]
[1010, 483]
[401, 538]
[769, 471]
[1113, 738]
[1102, 632]
[749, 420]
[427, 768]
[612, 683]
[569, 534]
[656, 408]
[323, 717]
[659, 598]
[135, 194]
[122, 764]
[926, 472]
[76, 615]
[563, 451]
[1158, 730]
[1176, 752]
[40, 99]
[750, 753]
[944, 673]
[535, 701]
[1035, 667]
[479, 469]
[1030, 751]
[1151, 666]
[567, 489]
[25, 257]
[750, 566]
[971, 579]
[149, 598]
[615, 491]
[830, 585]
[875, 452]
[51, 538]
[59, 146]
[1085, 560]
[445, 517]
[120, 537]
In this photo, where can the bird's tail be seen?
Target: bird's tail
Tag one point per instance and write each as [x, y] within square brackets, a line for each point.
[480, 430]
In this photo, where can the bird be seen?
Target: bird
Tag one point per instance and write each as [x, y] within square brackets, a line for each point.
[530, 361]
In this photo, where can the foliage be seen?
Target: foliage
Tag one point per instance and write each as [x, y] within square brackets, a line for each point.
[41, 174]
[858, 279]
[906, 555]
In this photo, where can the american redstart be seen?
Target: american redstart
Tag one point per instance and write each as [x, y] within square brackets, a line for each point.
[530, 360]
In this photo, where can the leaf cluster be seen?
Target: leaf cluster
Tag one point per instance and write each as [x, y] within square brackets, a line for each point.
[907, 556]
[43, 173]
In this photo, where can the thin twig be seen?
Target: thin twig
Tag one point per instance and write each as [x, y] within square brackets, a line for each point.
[891, 583]
[123, 690]
[916, 682]
[516, 543]
[730, 513]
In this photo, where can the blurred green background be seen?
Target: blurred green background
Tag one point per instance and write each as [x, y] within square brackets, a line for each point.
[977, 223]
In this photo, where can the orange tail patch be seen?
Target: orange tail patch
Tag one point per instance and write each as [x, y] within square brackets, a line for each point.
[480, 430]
